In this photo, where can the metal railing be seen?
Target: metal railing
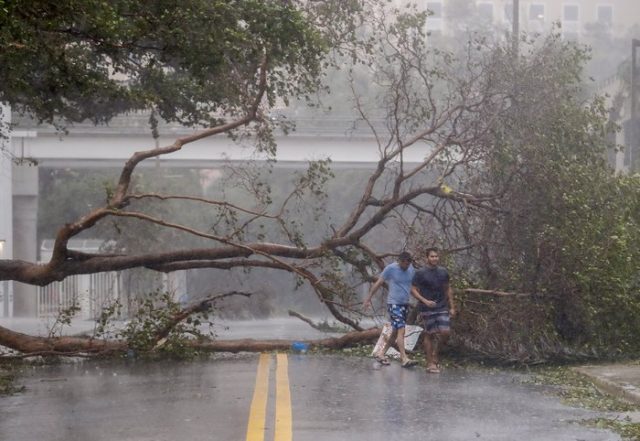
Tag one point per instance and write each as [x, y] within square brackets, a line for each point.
[90, 292]
[57, 296]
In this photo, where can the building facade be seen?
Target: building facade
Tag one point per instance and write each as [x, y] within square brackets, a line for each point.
[607, 26]
[575, 16]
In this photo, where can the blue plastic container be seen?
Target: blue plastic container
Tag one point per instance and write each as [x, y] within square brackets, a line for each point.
[299, 346]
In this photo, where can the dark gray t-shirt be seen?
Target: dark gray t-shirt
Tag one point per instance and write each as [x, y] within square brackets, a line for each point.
[431, 283]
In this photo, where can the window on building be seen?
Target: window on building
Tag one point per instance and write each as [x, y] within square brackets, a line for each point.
[485, 11]
[536, 18]
[508, 12]
[571, 22]
[605, 14]
[571, 13]
[536, 12]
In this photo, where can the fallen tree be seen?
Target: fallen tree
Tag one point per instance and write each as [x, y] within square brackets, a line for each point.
[452, 134]
[350, 339]
[456, 121]
[155, 334]
[30, 346]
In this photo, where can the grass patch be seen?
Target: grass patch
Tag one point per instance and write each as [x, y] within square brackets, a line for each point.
[627, 429]
[578, 390]
[8, 373]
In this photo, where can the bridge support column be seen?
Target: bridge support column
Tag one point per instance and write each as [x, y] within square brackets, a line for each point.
[25, 233]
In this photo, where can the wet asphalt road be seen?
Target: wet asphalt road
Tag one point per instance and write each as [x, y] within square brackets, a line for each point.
[331, 398]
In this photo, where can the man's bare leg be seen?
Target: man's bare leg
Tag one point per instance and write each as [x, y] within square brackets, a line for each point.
[427, 347]
[440, 339]
[400, 343]
[387, 343]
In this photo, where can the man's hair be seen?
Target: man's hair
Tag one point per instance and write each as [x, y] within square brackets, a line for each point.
[405, 256]
[430, 249]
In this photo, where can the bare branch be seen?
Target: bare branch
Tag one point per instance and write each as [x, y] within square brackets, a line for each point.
[198, 199]
[199, 306]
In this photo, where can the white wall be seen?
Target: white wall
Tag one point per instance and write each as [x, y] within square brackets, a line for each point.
[52, 150]
[6, 210]
[6, 205]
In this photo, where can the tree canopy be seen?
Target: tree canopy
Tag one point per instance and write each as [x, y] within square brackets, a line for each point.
[193, 62]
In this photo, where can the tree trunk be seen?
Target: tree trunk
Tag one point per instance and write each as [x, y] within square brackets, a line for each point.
[251, 345]
[29, 345]
[32, 345]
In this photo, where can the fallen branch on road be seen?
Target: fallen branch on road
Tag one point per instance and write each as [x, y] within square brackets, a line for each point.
[30, 346]
[252, 345]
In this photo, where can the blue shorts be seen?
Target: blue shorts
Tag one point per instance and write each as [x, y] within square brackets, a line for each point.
[398, 315]
[436, 321]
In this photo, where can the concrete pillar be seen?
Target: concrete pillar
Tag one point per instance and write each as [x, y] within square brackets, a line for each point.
[6, 208]
[25, 221]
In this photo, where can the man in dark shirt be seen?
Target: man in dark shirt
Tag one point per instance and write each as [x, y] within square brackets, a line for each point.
[431, 283]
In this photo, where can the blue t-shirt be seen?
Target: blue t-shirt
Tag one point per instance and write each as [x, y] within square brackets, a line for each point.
[431, 282]
[399, 282]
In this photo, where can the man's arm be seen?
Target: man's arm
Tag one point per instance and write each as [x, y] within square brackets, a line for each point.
[416, 294]
[367, 303]
[452, 305]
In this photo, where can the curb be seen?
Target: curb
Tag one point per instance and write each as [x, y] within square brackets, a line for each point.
[626, 392]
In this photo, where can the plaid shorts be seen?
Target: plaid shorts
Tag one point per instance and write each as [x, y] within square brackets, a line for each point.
[435, 321]
[398, 315]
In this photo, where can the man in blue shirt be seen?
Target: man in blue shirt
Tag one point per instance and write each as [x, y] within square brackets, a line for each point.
[431, 283]
[398, 276]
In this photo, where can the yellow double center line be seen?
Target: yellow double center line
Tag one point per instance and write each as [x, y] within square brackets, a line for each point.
[258, 413]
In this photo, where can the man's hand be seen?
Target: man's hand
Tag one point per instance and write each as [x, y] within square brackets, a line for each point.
[367, 303]
[429, 303]
[452, 311]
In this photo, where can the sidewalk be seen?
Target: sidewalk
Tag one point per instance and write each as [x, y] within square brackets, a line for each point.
[620, 379]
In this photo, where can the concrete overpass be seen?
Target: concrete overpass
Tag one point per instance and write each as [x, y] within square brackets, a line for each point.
[348, 145]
